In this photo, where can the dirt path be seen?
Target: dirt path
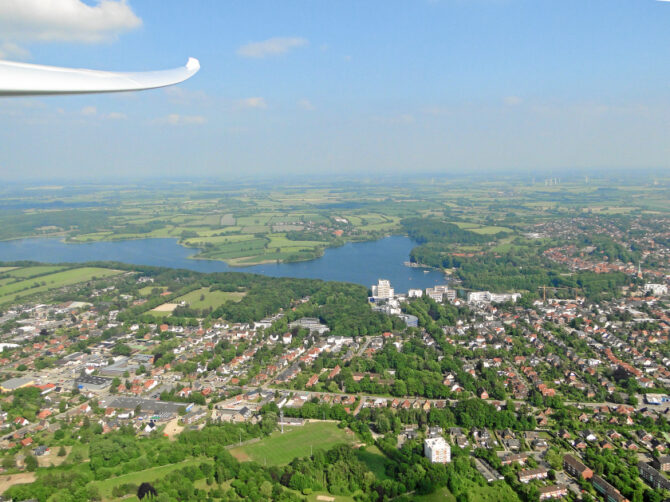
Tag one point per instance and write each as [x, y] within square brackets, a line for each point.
[7, 482]
[172, 429]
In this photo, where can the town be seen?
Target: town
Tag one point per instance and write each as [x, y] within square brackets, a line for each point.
[539, 393]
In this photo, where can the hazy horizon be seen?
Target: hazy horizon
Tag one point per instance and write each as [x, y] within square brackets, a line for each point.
[603, 176]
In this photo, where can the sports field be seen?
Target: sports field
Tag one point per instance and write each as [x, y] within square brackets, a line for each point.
[280, 449]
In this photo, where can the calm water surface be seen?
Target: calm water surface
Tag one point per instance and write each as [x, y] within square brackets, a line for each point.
[359, 262]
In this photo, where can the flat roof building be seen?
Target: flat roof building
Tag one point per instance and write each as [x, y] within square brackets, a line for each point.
[437, 450]
[383, 289]
[610, 493]
[92, 383]
[653, 477]
[164, 409]
[16, 383]
[552, 492]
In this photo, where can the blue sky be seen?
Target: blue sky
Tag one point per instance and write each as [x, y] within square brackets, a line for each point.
[347, 87]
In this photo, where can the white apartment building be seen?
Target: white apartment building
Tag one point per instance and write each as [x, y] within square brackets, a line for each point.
[488, 297]
[441, 293]
[656, 289]
[383, 289]
[437, 450]
[415, 293]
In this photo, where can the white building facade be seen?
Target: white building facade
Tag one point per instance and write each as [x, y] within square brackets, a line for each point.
[656, 289]
[437, 450]
[383, 289]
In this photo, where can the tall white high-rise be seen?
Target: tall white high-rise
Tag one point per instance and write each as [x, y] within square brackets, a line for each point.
[383, 289]
[437, 450]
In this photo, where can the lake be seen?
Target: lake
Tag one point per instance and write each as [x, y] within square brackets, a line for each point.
[359, 262]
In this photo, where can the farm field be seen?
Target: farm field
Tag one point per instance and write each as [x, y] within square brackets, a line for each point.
[280, 449]
[246, 226]
[27, 272]
[50, 281]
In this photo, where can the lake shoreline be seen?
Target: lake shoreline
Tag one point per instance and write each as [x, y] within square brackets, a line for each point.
[358, 262]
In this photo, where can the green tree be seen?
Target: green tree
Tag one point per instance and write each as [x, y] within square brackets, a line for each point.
[31, 463]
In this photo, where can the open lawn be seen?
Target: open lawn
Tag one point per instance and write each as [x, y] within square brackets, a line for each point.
[374, 459]
[496, 492]
[106, 486]
[490, 230]
[146, 291]
[280, 449]
[204, 298]
[327, 497]
[439, 495]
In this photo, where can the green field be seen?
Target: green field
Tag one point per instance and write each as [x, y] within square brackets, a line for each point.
[245, 225]
[280, 449]
[374, 459]
[147, 475]
[489, 230]
[314, 497]
[439, 495]
[212, 299]
[26, 272]
[43, 283]
[146, 291]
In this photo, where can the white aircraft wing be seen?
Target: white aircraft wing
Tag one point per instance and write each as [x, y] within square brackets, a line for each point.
[23, 79]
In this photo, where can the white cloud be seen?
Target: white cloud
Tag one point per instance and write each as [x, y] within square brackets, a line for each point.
[89, 111]
[513, 100]
[271, 47]
[65, 20]
[175, 119]
[92, 111]
[116, 116]
[306, 104]
[400, 119]
[10, 50]
[256, 102]
[181, 96]
[436, 111]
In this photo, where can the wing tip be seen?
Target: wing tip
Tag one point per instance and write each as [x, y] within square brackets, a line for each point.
[193, 65]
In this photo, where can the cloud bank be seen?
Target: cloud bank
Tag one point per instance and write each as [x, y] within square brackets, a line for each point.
[64, 21]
